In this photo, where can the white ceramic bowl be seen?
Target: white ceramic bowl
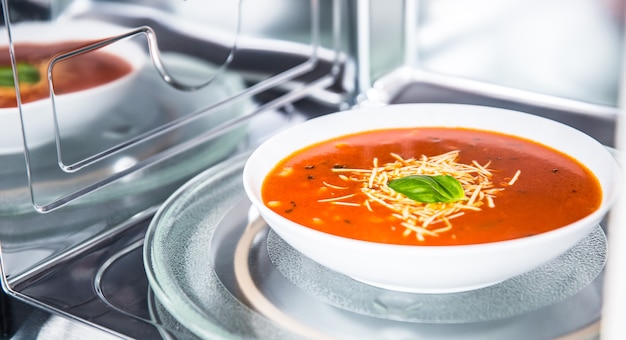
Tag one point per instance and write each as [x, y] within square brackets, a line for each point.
[436, 269]
[75, 109]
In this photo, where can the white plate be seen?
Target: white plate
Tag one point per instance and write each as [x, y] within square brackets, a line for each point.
[433, 269]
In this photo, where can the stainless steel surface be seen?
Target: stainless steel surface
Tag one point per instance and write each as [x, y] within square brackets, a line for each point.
[406, 85]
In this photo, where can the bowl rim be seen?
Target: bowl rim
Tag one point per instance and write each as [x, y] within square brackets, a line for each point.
[608, 199]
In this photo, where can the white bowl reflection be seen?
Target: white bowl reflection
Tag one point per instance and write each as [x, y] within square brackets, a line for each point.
[432, 269]
[74, 110]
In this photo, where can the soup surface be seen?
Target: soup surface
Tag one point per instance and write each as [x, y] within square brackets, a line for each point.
[513, 187]
[70, 75]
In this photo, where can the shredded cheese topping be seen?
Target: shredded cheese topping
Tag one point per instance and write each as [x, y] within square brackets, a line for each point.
[424, 219]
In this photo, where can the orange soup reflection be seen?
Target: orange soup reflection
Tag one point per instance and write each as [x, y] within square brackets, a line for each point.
[70, 75]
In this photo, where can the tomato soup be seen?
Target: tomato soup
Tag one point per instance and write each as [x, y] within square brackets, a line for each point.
[70, 75]
[521, 188]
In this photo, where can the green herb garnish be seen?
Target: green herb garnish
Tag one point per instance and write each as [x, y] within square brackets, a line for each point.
[27, 73]
[429, 189]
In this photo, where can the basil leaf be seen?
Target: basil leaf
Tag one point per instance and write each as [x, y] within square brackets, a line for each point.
[27, 73]
[429, 189]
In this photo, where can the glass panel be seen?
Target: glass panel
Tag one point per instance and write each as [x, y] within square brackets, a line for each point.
[183, 85]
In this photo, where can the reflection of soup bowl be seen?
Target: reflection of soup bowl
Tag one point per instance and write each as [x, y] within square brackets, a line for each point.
[85, 86]
[451, 262]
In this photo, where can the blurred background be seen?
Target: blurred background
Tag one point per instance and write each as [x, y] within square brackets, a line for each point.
[567, 48]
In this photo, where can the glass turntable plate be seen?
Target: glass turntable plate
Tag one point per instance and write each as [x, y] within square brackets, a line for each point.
[219, 277]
